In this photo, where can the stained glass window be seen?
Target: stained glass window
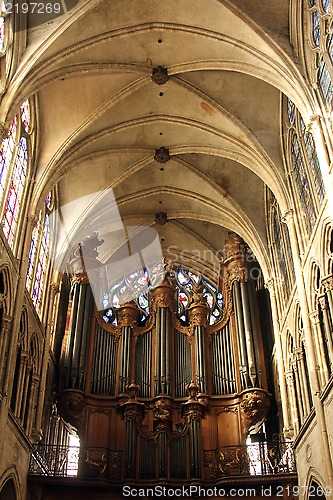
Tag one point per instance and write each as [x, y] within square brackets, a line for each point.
[302, 182]
[13, 172]
[25, 114]
[41, 265]
[326, 5]
[136, 287]
[308, 180]
[33, 251]
[321, 27]
[15, 193]
[6, 154]
[325, 83]
[313, 162]
[282, 247]
[316, 27]
[38, 256]
[291, 111]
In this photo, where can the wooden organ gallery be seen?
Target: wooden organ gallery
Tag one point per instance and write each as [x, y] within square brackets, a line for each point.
[158, 399]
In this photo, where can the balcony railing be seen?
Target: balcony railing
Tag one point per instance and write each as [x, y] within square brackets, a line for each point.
[261, 459]
[72, 461]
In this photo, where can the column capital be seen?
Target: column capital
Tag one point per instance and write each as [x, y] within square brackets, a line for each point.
[2, 299]
[270, 285]
[313, 124]
[314, 317]
[55, 288]
[288, 216]
[3, 131]
[322, 302]
[327, 281]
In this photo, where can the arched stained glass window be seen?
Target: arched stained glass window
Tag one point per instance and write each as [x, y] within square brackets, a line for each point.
[33, 251]
[302, 182]
[6, 154]
[136, 286]
[15, 193]
[14, 172]
[321, 44]
[280, 246]
[306, 177]
[313, 162]
[38, 256]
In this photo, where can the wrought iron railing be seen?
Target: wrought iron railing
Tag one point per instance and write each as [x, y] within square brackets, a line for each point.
[71, 461]
[259, 459]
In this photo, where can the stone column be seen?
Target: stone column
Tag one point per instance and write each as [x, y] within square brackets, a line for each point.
[324, 308]
[32, 404]
[320, 349]
[310, 349]
[292, 397]
[324, 161]
[21, 382]
[4, 347]
[46, 356]
[299, 354]
[270, 284]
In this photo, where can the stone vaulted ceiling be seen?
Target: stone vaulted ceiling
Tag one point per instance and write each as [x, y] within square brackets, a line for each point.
[101, 117]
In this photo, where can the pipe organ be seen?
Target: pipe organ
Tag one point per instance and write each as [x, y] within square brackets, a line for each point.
[159, 397]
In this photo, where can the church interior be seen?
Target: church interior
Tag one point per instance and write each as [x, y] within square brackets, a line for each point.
[166, 249]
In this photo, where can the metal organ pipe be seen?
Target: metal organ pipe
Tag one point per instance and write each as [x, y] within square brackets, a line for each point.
[201, 378]
[125, 358]
[248, 333]
[240, 334]
[76, 349]
[255, 333]
[162, 351]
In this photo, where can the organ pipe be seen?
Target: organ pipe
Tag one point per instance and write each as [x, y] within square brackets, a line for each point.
[162, 351]
[248, 333]
[243, 366]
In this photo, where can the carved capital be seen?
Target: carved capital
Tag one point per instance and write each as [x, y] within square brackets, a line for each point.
[3, 131]
[128, 315]
[163, 296]
[2, 299]
[322, 302]
[55, 288]
[254, 408]
[287, 216]
[198, 315]
[328, 283]
[313, 124]
[314, 317]
[162, 410]
[72, 407]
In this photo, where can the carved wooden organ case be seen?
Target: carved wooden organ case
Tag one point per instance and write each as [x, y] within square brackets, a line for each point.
[154, 401]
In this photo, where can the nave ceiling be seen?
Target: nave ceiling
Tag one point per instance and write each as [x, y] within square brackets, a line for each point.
[101, 117]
